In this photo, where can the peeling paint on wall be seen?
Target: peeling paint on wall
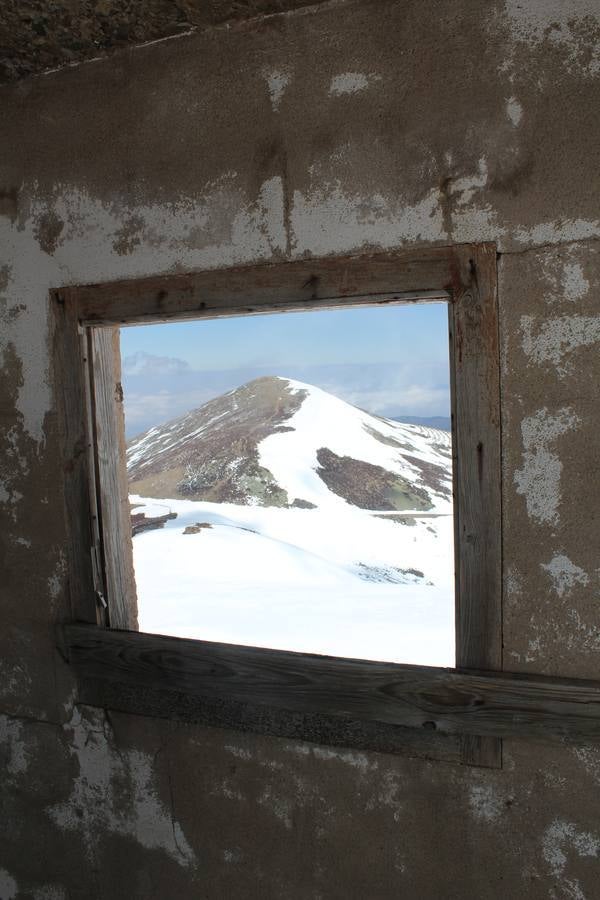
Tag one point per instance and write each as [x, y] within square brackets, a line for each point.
[95, 805]
[277, 81]
[539, 478]
[514, 111]
[554, 339]
[11, 738]
[360, 761]
[557, 232]
[278, 804]
[586, 635]
[389, 795]
[560, 838]
[27, 333]
[564, 574]
[56, 580]
[589, 757]
[484, 803]
[8, 886]
[572, 27]
[15, 679]
[331, 220]
[351, 83]
[574, 283]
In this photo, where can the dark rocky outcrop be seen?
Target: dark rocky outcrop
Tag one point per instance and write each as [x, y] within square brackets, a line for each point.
[368, 486]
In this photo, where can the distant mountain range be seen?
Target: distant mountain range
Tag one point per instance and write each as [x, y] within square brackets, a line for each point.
[279, 442]
[443, 423]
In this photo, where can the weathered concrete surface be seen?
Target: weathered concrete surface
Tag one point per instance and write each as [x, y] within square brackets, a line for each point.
[329, 130]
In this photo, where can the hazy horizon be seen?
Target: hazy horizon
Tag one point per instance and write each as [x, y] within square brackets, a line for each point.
[391, 361]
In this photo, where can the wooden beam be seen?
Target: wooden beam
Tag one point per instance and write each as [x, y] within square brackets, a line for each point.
[109, 448]
[406, 276]
[476, 471]
[72, 395]
[431, 699]
[475, 375]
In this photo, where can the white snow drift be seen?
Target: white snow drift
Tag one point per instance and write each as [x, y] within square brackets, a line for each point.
[335, 579]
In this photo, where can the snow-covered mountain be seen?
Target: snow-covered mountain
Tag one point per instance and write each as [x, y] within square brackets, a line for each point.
[291, 519]
[279, 442]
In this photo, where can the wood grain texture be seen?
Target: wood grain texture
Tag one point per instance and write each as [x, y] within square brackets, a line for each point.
[69, 364]
[112, 488]
[226, 712]
[440, 700]
[406, 276]
[475, 369]
[476, 448]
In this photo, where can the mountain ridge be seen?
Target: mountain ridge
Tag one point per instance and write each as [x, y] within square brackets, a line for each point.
[277, 442]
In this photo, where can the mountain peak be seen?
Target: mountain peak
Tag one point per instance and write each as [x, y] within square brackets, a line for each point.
[275, 441]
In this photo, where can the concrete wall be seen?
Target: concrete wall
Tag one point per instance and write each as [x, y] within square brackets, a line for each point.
[326, 130]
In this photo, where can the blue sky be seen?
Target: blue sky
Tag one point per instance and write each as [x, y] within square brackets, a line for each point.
[391, 360]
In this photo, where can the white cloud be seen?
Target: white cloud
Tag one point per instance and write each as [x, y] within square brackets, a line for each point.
[141, 363]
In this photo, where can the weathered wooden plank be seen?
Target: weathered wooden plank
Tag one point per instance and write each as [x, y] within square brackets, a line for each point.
[109, 441]
[444, 700]
[475, 392]
[69, 377]
[300, 285]
[318, 728]
[475, 375]
[478, 750]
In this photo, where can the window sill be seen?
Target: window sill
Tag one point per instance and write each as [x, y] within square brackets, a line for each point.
[413, 710]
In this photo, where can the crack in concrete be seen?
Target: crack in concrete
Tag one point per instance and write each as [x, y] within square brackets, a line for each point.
[549, 245]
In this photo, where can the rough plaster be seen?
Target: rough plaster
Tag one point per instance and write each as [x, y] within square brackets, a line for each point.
[277, 81]
[564, 574]
[554, 340]
[350, 83]
[97, 803]
[348, 127]
[539, 478]
[572, 26]
[8, 886]
[559, 839]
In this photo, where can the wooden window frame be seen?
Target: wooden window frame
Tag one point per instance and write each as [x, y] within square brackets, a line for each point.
[460, 714]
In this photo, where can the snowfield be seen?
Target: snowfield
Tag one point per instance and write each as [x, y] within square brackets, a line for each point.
[300, 579]
[335, 579]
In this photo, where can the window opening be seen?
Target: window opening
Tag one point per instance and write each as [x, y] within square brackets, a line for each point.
[290, 481]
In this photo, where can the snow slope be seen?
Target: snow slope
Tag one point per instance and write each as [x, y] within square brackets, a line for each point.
[338, 578]
[326, 421]
[301, 579]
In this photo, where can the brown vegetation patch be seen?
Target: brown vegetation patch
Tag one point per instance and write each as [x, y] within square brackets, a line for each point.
[399, 520]
[368, 486]
[196, 528]
[433, 476]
